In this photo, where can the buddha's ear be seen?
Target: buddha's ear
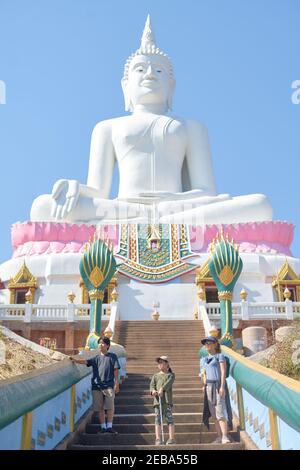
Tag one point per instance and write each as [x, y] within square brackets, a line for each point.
[128, 104]
[172, 84]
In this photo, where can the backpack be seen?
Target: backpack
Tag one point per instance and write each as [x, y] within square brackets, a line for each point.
[227, 360]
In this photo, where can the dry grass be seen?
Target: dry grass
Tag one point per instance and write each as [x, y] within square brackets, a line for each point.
[282, 358]
[19, 359]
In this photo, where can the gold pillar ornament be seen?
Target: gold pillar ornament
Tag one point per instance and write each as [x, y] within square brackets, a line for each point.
[243, 294]
[287, 294]
[114, 295]
[29, 297]
[71, 297]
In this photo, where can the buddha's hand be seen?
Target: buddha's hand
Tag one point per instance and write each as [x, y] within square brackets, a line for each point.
[65, 195]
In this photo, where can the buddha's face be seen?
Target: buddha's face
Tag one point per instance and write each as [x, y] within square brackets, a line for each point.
[149, 82]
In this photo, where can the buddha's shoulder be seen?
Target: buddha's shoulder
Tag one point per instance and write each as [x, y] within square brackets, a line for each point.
[190, 124]
[103, 127]
[196, 126]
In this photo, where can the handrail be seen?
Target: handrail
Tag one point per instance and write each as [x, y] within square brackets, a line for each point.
[204, 317]
[278, 392]
[26, 392]
[114, 316]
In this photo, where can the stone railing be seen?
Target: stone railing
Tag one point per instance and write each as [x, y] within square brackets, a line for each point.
[245, 310]
[266, 402]
[57, 313]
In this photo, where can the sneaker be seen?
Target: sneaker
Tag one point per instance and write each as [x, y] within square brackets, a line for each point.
[102, 431]
[170, 442]
[217, 441]
[158, 442]
[111, 431]
[225, 440]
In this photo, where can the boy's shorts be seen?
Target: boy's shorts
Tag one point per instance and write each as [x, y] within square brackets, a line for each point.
[103, 399]
[166, 414]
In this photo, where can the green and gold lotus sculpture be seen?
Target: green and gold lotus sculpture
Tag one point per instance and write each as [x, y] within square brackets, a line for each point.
[97, 267]
[225, 266]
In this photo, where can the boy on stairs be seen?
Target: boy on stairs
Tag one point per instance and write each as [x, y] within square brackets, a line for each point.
[161, 389]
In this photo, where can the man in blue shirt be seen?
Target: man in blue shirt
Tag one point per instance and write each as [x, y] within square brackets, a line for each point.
[105, 382]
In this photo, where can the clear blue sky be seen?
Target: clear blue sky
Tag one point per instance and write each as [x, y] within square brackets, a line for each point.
[234, 61]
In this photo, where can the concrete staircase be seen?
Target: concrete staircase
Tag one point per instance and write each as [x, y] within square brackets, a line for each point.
[134, 418]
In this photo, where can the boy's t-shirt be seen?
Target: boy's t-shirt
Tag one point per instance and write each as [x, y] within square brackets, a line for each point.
[164, 381]
[211, 365]
[103, 366]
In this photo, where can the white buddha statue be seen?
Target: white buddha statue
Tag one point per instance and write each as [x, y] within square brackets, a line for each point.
[164, 161]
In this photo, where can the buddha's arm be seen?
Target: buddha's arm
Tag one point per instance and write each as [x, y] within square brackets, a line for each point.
[101, 164]
[198, 159]
[66, 193]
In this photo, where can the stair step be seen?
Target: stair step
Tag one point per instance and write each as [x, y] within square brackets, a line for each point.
[149, 428]
[139, 409]
[148, 399]
[127, 392]
[134, 379]
[231, 446]
[149, 418]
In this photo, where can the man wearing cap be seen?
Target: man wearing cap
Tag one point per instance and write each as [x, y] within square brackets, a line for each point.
[105, 382]
[161, 390]
[213, 371]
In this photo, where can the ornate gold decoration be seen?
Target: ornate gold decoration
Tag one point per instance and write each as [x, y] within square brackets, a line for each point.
[96, 277]
[228, 336]
[287, 293]
[175, 244]
[71, 297]
[109, 289]
[243, 294]
[114, 295]
[154, 238]
[108, 333]
[214, 332]
[286, 278]
[225, 295]
[29, 297]
[183, 233]
[203, 274]
[226, 275]
[24, 279]
[155, 315]
[132, 242]
[203, 280]
[201, 294]
[96, 295]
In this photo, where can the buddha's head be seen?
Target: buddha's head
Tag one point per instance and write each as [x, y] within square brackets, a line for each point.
[148, 75]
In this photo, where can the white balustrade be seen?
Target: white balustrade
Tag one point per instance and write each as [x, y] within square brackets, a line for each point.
[106, 310]
[264, 310]
[81, 312]
[213, 309]
[49, 312]
[12, 312]
[257, 310]
[296, 309]
[56, 313]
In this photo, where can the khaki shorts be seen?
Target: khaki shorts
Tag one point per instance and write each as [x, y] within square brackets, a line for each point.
[219, 410]
[103, 399]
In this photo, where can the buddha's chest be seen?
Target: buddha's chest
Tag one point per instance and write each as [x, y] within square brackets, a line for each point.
[159, 134]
